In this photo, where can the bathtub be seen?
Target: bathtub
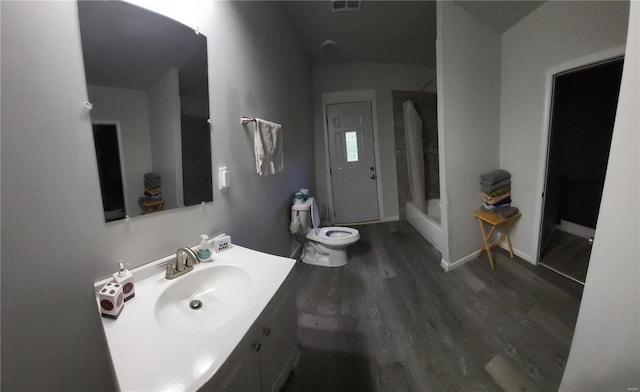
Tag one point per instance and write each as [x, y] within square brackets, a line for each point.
[428, 224]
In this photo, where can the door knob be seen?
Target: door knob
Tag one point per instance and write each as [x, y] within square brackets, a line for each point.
[256, 346]
[373, 177]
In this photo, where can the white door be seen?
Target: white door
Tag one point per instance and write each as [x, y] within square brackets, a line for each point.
[352, 162]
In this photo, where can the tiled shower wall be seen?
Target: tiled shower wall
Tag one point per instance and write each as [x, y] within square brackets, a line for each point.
[426, 106]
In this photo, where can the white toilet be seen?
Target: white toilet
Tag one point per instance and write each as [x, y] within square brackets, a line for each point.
[326, 246]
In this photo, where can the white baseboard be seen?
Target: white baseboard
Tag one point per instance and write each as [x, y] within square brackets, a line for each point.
[576, 229]
[519, 253]
[448, 266]
[390, 218]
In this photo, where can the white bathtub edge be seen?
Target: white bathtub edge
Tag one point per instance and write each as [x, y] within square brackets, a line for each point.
[429, 229]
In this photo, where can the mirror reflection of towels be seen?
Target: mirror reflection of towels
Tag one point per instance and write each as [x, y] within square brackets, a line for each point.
[267, 144]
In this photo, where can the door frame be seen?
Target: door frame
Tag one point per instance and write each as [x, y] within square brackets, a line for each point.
[581, 62]
[349, 96]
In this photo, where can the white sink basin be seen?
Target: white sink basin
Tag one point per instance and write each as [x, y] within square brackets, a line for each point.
[203, 299]
[233, 290]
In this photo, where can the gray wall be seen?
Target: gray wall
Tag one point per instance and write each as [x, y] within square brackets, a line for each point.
[468, 122]
[605, 353]
[553, 34]
[54, 239]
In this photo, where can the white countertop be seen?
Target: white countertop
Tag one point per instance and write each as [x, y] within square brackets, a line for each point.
[147, 358]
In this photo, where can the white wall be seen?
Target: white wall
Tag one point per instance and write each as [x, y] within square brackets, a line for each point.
[383, 78]
[554, 33]
[605, 353]
[129, 108]
[468, 123]
[166, 141]
[55, 242]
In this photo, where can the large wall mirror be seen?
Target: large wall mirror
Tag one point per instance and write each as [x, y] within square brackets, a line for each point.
[147, 83]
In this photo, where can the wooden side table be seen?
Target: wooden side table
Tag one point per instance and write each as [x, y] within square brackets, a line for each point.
[150, 206]
[494, 221]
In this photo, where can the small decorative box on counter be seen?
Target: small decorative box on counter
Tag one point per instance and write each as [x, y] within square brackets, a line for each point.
[111, 300]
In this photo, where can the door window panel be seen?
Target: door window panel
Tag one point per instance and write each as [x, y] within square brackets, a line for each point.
[351, 141]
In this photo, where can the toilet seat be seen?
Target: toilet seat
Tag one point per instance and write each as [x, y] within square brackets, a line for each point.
[337, 232]
[326, 246]
[335, 235]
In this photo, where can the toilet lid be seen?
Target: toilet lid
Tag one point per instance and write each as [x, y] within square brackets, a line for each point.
[315, 214]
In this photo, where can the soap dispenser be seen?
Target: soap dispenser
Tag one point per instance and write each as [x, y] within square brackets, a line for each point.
[204, 253]
[125, 278]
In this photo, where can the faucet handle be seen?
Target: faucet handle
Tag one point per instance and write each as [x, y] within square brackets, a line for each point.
[164, 265]
[169, 270]
[188, 261]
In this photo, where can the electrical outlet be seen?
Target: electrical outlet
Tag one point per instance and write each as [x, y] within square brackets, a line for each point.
[221, 243]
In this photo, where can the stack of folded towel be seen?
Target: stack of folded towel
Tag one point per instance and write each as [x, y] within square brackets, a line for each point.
[495, 187]
[152, 187]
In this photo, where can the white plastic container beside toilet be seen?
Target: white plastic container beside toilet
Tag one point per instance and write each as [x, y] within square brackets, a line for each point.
[324, 246]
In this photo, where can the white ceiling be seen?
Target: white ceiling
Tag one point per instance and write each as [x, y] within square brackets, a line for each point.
[499, 15]
[130, 47]
[402, 32]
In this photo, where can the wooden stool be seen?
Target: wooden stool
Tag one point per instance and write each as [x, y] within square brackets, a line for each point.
[494, 221]
[150, 206]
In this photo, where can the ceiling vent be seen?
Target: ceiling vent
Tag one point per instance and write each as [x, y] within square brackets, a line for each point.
[345, 5]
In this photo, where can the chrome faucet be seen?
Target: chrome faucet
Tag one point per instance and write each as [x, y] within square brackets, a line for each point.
[181, 266]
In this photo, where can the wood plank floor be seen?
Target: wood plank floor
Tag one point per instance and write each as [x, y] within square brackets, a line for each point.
[568, 254]
[393, 320]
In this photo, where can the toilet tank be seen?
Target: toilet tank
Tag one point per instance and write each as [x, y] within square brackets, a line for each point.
[303, 211]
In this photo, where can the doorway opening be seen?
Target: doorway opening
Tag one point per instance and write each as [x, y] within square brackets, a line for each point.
[417, 160]
[197, 183]
[583, 108]
[415, 122]
[107, 143]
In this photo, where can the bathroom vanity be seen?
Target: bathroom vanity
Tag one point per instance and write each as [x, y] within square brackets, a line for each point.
[225, 325]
